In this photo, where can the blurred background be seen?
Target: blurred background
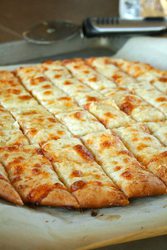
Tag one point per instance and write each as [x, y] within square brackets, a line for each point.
[16, 16]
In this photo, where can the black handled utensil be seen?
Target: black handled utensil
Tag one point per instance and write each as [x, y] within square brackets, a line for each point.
[106, 26]
[48, 32]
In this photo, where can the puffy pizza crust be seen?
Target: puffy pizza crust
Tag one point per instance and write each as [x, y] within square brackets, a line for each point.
[33, 177]
[7, 191]
[121, 166]
[82, 175]
[146, 148]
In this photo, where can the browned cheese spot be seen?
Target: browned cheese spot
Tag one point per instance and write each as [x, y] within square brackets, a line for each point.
[83, 152]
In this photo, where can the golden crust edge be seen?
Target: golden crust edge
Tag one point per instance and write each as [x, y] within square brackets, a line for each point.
[60, 198]
[8, 193]
[94, 196]
[150, 186]
[158, 166]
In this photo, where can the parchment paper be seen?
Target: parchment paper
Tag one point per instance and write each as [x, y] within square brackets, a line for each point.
[54, 228]
[147, 49]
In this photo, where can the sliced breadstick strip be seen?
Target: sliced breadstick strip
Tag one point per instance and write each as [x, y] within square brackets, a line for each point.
[82, 175]
[108, 113]
[33, 177]
[36, 122]
[121, 166]
[87, 75]
[144, 89]
[54, 99]
[159, 130]
[80, 122]
[7, 192]
[134, 106]
[146, 148]
[10, 133]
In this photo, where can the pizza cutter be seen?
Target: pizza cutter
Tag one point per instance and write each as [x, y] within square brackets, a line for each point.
[48, 32]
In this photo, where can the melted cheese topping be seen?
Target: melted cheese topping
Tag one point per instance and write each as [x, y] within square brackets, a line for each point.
[37, 123]
[83, 98]
[87, 75]
[75, 163]
[144, 72]
[12, 137]
[160, 82]
[153, 96]
[159, 129]
[66, 82]
[142, 144]
[105, 66]
[80, 122]
[30, 172]
[10, 133]
[7, 122]
[134, 106]
[50, 96]
[119, 163]
[109, 114]
[40, 126]
[134, 69]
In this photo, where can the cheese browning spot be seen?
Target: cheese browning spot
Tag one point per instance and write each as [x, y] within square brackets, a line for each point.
[57, 76]
[109, 114]
[37, 80]
[39, 193]
[163, 79]
[106, 144]
[48, 92]
[116, 78]
[161, 99]
[78, 115]
[77, 173]
[92, 99]
[83, 152]
[127, 107]
[14, 91]
[77, 185]
[65, 98]
[46, 86]
[117, 168]
[48, 62]
[25, 97]
[127, 175]
[77, 66]
[93, 79]
[50, 119]
[67, 83]
[142, 146]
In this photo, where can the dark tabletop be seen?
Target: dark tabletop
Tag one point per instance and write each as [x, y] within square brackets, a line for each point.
[17, 15]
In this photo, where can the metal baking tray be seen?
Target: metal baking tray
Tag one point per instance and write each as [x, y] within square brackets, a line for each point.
[23, 52]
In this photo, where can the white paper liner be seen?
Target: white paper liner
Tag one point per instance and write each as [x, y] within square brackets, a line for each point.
[54, 228]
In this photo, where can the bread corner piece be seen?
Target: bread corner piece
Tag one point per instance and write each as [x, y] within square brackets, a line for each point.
[60, 198]
[158, 165]
[8, 193]
[96, 196]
